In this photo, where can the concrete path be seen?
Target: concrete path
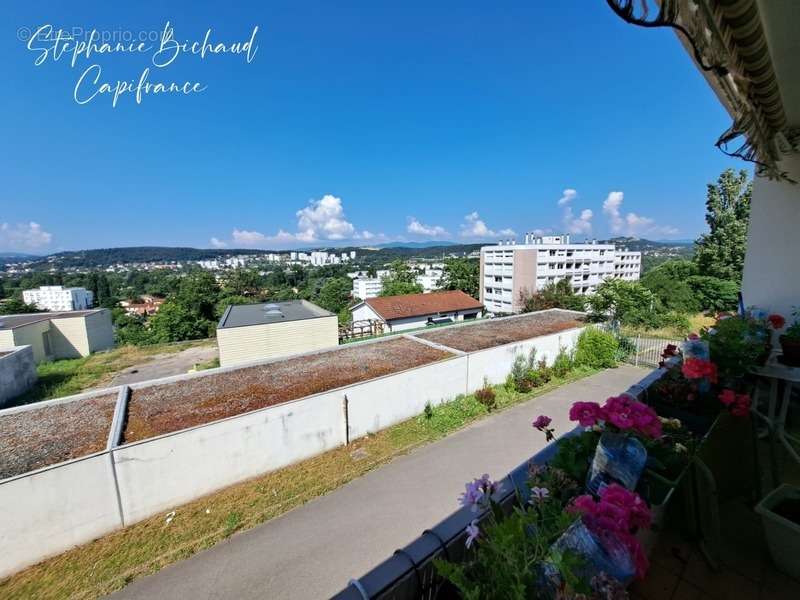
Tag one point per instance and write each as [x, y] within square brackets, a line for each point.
[166, 365]
[312, 551]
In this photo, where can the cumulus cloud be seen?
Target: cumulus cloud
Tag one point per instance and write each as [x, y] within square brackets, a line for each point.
[474, 227]
[324, 219]
[320, 220]
[631, 224]
[24, 236]
[417, 228]
[580, 224]
[567, 196]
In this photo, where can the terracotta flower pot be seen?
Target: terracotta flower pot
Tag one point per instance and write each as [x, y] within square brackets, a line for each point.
[791, 351]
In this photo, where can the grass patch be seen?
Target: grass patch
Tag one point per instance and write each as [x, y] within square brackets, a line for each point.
[696, 323]
[209, 364]
[111, 562]
[74, 375]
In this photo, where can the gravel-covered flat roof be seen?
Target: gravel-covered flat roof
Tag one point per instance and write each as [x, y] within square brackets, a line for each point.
[242, 315]
[44, 436]
[487, 333]
[14, 321]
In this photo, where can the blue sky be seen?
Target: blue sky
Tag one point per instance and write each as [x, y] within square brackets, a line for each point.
[365, 121]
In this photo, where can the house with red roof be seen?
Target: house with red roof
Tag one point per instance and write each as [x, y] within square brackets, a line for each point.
[413, 311]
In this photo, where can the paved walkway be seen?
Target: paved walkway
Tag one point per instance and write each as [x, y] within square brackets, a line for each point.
[312, 551]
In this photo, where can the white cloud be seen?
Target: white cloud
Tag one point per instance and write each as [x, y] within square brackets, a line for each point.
[580, 224]
[320, 220]
[474, 227]
[324, 219]
[631, 224]
[567, 196]
[417, 228]
[24, 236]
[243, 237]
[542, 231]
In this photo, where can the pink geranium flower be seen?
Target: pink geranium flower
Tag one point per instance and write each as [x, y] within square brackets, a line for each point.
[741, 408]
[586, 414]
[620, 412]
[727, 397]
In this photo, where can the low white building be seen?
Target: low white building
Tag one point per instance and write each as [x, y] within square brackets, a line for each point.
[412, 311]
[251, 332]
[59, 298]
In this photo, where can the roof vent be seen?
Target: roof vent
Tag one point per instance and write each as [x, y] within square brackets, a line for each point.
[273, 312]
[268, 307]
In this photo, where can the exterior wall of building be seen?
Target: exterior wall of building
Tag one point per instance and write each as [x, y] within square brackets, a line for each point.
[524, 278]
[68, 338]
[33, 335]
[497, 282]
[58, 298]
[417, 322]
[100, 331]
[17, 372]
[364, 312]
[239, 345]
[7, 338]
[771, 277]
[627, 265]
[367, 287]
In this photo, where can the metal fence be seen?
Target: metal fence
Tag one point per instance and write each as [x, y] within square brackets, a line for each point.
[646, 351]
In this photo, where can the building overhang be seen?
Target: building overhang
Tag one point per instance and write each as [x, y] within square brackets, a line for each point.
[749, 52]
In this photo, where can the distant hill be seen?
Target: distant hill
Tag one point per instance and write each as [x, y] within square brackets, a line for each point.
[641, 245]
[416, 244]
[11, 257]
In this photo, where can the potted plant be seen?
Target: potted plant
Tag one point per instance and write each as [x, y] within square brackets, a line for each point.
[790, 342]
[780, 517]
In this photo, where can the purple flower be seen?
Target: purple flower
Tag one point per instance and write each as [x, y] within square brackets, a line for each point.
[539, 493]
[478, 492]
[472, 496]
[473, 531]
[542, 422]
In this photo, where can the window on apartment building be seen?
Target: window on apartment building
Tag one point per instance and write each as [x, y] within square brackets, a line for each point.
[552, 252]
[498, 279]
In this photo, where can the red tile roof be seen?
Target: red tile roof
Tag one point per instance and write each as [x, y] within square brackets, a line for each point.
[419, 305]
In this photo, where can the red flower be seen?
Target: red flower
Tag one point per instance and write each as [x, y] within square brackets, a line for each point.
[670, 350]
[777, 321]
[692, 336]
[698, 368]
[741, 407]
[727, 397]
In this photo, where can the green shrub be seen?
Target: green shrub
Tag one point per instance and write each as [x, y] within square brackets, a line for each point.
[486, 396]
[562, 365]
[519, 376]
[596, 348]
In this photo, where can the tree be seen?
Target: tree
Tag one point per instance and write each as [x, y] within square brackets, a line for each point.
[554, 295]
[400, 281]
[669, 283]
[175, 322]
[713, 293]
[242, 282]
[334, 295]
[720, 252]
[460, 274]
[130, 329]
[628, 302]
[15, 306]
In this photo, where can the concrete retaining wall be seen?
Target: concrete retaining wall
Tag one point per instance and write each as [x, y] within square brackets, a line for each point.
[494, 364]
[17, 372]
[48, 511]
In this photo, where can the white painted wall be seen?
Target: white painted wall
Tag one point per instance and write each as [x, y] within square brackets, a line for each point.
[163, 472]
[495, 363]
[772, 267]
[49, 511]
[380, 403]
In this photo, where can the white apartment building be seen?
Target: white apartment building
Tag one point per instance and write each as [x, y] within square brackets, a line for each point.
[58, 298]
[509, 271]
[627, 265]
[429, 279]
[367, 287]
